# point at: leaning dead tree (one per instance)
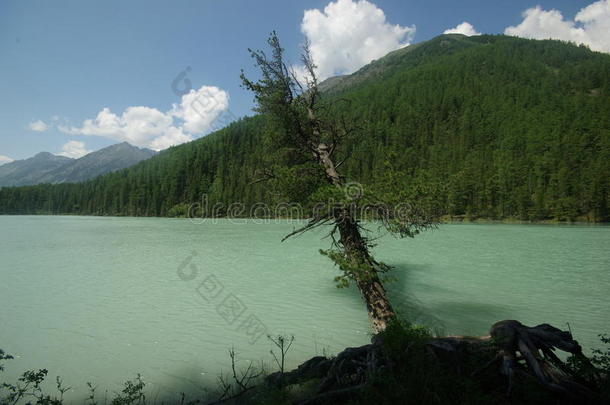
(307, 142)
(308, 133)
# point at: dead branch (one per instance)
(313, 223)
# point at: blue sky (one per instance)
(64, 62)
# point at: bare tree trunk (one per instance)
(378, 306)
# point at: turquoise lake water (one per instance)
(102, 299)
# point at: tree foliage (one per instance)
(502, 127)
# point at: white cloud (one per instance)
(5, 160)
(151, 128)
(38, 126)
(591, 26)
(173, 136)
(199, 109)
(73, 149)
(464, 28)
(349, 34)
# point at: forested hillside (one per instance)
(503, 127)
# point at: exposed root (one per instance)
(536, 346)
(510, 350)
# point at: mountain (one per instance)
(109, 159)
(504, 127)
(48, 168)
(29, 171)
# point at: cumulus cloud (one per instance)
(464, 28)
(5, 159)
(199, 109)
(154, 129)
(74, 149)
(38, 126)
(590, 26)
(348, 34)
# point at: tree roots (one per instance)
(510, 350)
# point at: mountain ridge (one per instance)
(27, 171)
(114, 157)
(45, 167)
(393, 58)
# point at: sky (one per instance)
(77, 76)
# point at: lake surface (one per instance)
(102, 299)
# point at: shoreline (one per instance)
(444, 220)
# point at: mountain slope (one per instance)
(29, 171)
(109, 159)
(48, 168)
(505, 127)
(403, 59)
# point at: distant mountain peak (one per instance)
(49, 155)
(45, 167)
(126, 145)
